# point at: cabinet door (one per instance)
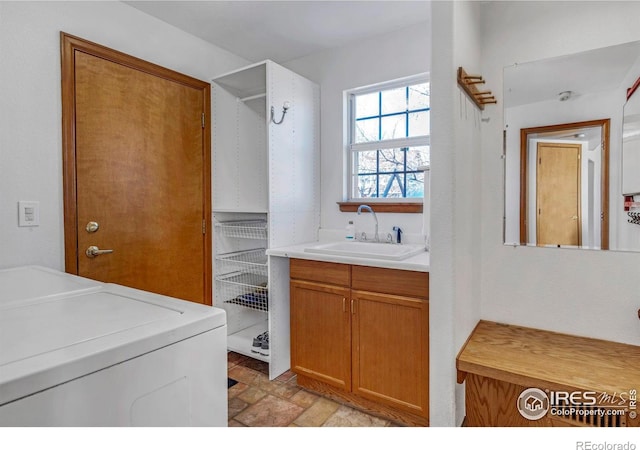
(321, 332)
(391, 350)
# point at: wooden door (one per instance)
(558, 194)
(390, 346)
(321, 332)
(136, 160)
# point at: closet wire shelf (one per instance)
(252, 261)
(246, 229)
(245, 289)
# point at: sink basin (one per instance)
(373, 250)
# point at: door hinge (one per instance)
(204, 227)
(202, 120)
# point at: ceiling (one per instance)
(582, 73)
(595, 71)
(286, 30)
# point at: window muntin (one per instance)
(389, 140)
(391, 173)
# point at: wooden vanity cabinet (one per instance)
(390, 350)
(321, 332)
(361, 334)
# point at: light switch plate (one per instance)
(28, 214)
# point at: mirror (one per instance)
(563, 150)
(564, 185)
(631, 142)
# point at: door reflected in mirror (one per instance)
(563, 150)
(564, 199)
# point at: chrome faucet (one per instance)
(368, 208)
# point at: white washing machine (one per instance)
(75, 352)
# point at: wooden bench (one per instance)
(554, 379)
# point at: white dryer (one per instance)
(75, 352)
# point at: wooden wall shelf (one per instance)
(396, 207)
(469, 84)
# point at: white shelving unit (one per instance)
(241, 279)
(266, 194)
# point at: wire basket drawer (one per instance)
(245, 229)
(251, 261)
(244, 289)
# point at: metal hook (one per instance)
(285, 107)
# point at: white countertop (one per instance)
(418, 263)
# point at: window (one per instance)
(389, 139)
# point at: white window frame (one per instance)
(353, 148)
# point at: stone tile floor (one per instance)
(257, 402)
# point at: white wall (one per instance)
(454, 305)
(383, 58)
(582, 292)
(473, 275)
(30, 111)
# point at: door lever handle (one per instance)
(94, 251)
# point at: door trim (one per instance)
(69, 44)
(604, 125)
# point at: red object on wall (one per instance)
(628, 200)
(633, 88)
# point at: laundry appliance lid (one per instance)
(20, 284)
(56, 339)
